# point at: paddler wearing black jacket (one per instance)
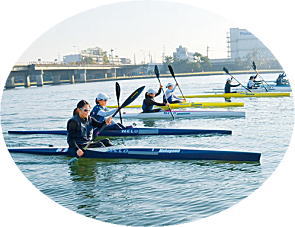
(149, 102)
(80, 130)
(228, 86)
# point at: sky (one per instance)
(135, 30)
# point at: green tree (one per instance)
(105, 58)
(168, 60)
(87, 60)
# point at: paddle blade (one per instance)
(225, 70)
(171, 70)
(72, 161)
(157, 71)
(118, 90)
(130, 99)
(254, 65)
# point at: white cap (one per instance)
(151, 91)
(169, 84)
(228, 79)
(102, 96)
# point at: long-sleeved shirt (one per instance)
(101, 112)
(250, 84)
(228, 86)
(149, 102)
(80, 131)
(168, 96)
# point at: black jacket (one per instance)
(149, 102)
(80, 130)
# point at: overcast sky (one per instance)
(135, 28)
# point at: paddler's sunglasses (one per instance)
(85, 110)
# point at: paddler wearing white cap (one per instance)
(169, 96)
(149, 102)
(228, 86)
(100, 112)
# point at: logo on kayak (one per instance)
(183, 113)
(62, 150)
(169, 151)
(118, 150)
(130, 131)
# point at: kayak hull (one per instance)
(259, 89)
(193, 104)
(184, 114)
(241, 95)
(134, 132)
(148, 153)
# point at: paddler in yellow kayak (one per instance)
(227, 88)
(169, 97)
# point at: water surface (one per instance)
(145, 192)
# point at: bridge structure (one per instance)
(54, 74)
(42, 74)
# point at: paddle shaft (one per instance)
(158, 77)
(255, 69)
(225, 69)
(172, 74)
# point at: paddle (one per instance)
(118, 91)
(255, 68)
(129, 100)
(227, 72)
(172, 74)
(158, 77)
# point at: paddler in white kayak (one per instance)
(80, 130)
(100, 112)
(252, 83)
(149, 102)
(169, 97)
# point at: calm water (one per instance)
(143, 192)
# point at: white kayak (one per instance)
(258, 90)
(183, 114)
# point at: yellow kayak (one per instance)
(194, 104)
(240, 95)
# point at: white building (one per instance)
(92, 51)
(98, 56)
(182, 54)
(71, 58)
(243, 43)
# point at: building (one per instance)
(71, 58)
(125, 61)
(96, 55)
(182, 54)
(243, 44)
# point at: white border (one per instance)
(21, 204)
